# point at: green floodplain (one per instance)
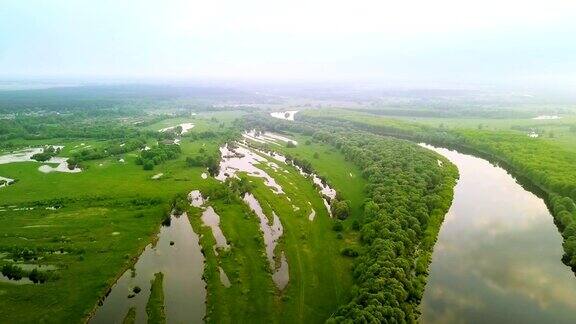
(360, 206)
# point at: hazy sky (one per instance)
(436, 42)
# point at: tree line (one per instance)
(408, 194)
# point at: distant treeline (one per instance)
(448, 112)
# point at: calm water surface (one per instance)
(182, 264)
(498, 255)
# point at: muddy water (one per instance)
(498, 255)
(267, 137)
(20, 156)
(209, 218)
(26, 156)
(61, 167)
(195, 198)
(272, 233)
(281, 276)
(241, 159)
(212, 220)
(182, 265)
(324, 189)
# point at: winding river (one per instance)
(498, 255)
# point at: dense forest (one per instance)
(541, 164)
(407, 198)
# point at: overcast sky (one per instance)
(490, 42)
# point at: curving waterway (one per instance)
(498, 255)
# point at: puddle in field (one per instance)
(195, 198)
(272, 233)
(286, 115)
(209, 218)
(241, 159)
(21, 156)
(4, 182)
(182, 265)
(212, 220)
(26, 267)
(267, 137)
(61, 167)
(282, 275)
(326, 192)
(26, 156)
(325, 189)
(224, 278)
(185, 128)
(22, 281)
(312, 215)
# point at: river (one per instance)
(498, 255)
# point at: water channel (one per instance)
(498, 255)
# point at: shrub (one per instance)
(338, 227)
(349, 252)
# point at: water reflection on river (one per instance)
(498, 255)
(176, 254)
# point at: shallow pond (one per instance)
(272, 232)
(241, 159)
(324, 189)
(182, 264)
(498, 255)
(4, 182)
(26, 156)
(185, 128)
(286, 115)
(267, 137)
(211, 219)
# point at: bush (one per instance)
(148, 165)
(38, 276)
(350, 252)
(338, 227)
(13, 272)
(340, 208)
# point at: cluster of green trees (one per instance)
(157, 155)
(407, 197)
(14, 272)
(47, 153)
(76, 125)
(112, 149)
(340, 208)
(542, 166)
(212, 162)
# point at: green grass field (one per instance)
(112, 210)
